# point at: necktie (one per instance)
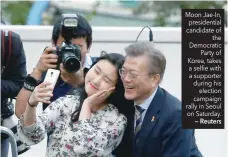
(138, 117)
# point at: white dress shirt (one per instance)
(145, 105)
(88, 61)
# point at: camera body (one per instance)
(70, 56)
(68, 53)
(7, 109)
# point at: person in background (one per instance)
(91, 122)
(83, 38)
(13, 73)
(157, 127)
(67, 81)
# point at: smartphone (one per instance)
(52, 76)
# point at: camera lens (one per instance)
(71, 63)
(70, 56)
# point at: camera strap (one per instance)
(6, 49)
(6, 52)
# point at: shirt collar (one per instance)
(88, 61)
(145, 105)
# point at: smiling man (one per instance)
(157, 124)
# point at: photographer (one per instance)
(82, 37)
(13, 73)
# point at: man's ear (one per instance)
(155, 79)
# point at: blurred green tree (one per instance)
(15, 12)
(167, 13)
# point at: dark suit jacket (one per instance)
(12, 77)
(163, 136)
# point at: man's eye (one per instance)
(133, 76)
(124, 72)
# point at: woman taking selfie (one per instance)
(91, 122)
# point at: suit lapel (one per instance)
(151, 117)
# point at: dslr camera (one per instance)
(68, 53)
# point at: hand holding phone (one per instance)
(52, 76)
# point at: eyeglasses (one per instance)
(132, 74)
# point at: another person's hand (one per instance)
(47, 60)
(42, 93)
(73, 79)
(96, 99)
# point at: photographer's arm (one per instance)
(24, 94)
(46, 61)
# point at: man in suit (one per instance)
(157, 122)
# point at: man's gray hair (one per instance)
(156, 58)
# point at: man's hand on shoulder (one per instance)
(73, 79)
